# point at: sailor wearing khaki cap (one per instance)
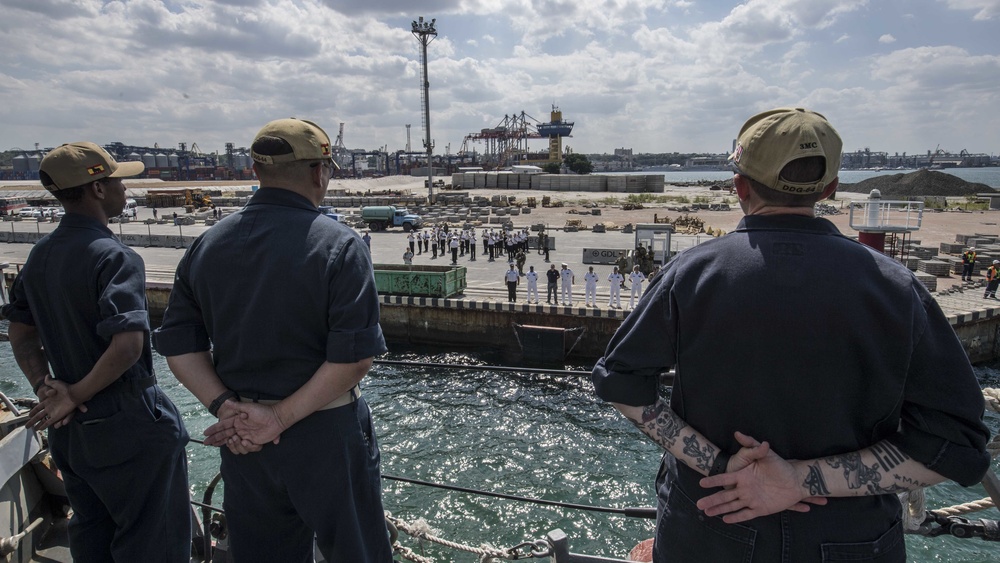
(79, 306)
(296, 378)
(78, 164)
(836, 356)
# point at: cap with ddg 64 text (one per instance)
(308, 141)
(76, 164)
(770, 140)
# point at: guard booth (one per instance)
(655, 237)
(874, 218)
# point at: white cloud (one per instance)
(654, 75)
(887, 39)
(985, 9)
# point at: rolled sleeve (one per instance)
(180, 340)
(124, 322)
(941, 420)
(627, 388)
(122, 302)
(641, 349)
(17, 310)
(351, 347)
(183, 329)
(353, 314)
(966, 465)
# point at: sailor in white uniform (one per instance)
(635, 278)
(615, 281)
(532, 277)
(590, 288)
(566, 275)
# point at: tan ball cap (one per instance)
(308, 141)
(770, 140)
(76, 164)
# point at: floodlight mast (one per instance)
(425, 33)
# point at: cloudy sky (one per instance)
(651, 75)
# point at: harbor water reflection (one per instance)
(533, 435)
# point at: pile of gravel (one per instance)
(919, 183)
(824, 209)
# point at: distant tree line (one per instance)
(576, 163)
(652, 159)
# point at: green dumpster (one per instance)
(419, 281)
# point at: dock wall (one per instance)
(979, 332)
(466, 323)
(469, 323)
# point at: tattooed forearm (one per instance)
(890, 489)
(814, 482)
(702, 456)
(856, 473)
(660, 423)
(888, 455)
(910, 483)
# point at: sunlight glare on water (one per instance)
(532, 435)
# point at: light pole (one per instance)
(425, 33)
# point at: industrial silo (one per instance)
(149, 159)
(20, 164)
(173, 161)
(161, 161)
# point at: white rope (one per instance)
(420, 529)
(959, 509)
(914, 509)
(992, 397)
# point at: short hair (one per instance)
(67, 195)
(269, 145)
(807, 169)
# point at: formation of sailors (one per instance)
(498, 244)
(459, 243)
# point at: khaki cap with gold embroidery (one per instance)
(76, 164)
(770, 140)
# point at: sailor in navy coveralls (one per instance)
(79, 305)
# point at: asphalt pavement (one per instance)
(484, 279)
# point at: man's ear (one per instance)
(830, 189)
(742, 185)
(97, 188)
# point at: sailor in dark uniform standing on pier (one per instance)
(277, 354)
(79, 305)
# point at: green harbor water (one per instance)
(531, 435)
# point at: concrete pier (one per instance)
(481, 317)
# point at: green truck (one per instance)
(379, 217)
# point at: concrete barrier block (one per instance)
(134, 240)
